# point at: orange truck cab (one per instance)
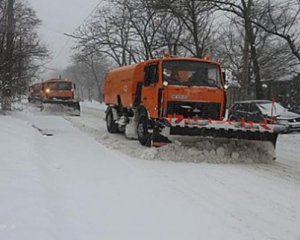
(55, 91)
(59, 89)
(148, 93)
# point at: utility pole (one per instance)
(8, 61)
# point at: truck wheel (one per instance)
(142, 130)
(112, 127)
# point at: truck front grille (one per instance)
(204, 110)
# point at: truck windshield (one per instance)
(64, 86)
(191, 73)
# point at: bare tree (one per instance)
(244, 9)
(133, 30)
(79, 74)
(273, 56)
(170, 34)
(26, 50)
(233, 50)
(196, 17)
(127, 31)
(282, 19)
(96, 69)
(88, 72)
(109, 33)
(145, 22)
(8, 57)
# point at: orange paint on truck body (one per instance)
(55, 91)
(123, 82)
(169, 86)
(61, 89)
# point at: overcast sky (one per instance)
(59, 17)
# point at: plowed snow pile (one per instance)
(213, 151)
(189, 149)
(58, 109)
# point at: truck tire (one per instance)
(143, 134)
(111, 126)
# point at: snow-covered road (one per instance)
(81, 183)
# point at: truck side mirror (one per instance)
(74, 86)
(224, 76)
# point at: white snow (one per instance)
(82, 183)
(93, 104)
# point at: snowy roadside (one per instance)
(68, 186)
(93, 104)
(21, 184)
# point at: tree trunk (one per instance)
(7, 88)
(251, 38)
(245, 74)
(99, 90)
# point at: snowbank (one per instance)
(93, 104)
(23, 204)
(213, 151)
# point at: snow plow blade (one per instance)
(70, 106)
(226, 129)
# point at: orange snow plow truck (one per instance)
(55, 91)
(176, 96)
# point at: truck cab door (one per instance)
(150, 91)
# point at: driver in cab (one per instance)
(175, 75)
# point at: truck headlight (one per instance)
(47, 90)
